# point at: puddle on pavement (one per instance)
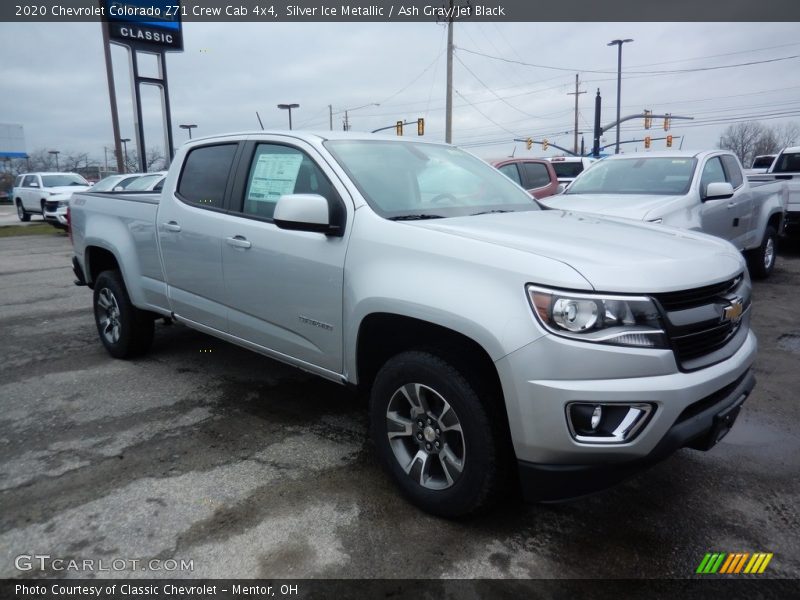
(790, 342)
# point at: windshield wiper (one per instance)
(488, 212)
(418, 217)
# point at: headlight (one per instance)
(601, 319)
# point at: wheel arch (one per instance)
(382, 335)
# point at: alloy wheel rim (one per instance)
(108, 315)
(769, 253)
(425, 436)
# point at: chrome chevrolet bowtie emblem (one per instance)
(733, 311)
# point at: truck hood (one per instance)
(614, 255)
(629, 206)
(67, 190)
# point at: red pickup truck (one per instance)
(534, 174)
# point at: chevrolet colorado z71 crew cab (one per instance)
(499, 343)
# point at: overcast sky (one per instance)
(54, 83)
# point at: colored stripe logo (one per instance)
(734, 563)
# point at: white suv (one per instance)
(43, 193)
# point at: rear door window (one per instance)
(536, 175)
(205, 174)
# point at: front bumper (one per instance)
(56, 216)
(541, 379)
(700, 426)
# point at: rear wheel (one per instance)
(435, 436)
(761, 260)
(124, 330)
(23, 214)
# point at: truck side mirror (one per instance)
(305, 212)
(718, 190)
(33, 184)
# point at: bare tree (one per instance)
(787, 135)
(766, 143)
(741, 139)
(153, 160)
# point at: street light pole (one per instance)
(189, 128)
(618, 44)
(125, 144)
(56, 153)
(289, 107)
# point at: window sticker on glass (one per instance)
(274, 175)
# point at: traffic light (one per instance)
(648, 120)
(399, 128)
(647, 141)
(420, 126)
(545, 144)
(666, 122)
(669, 141)
(528, 143)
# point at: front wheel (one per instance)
(124, 330)
(435, 436)
(761, 260)
(23, 214)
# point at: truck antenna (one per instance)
(259, 121)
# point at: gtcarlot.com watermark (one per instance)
(48, 563)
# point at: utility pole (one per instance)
(598, 131)
(576, 93)
(448, 125)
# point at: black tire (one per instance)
(23, 214)
(480, 445)
(124, 330)
(761, 260)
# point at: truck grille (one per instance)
(51, 205)
(697, 296)
(696, 323)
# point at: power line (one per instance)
(628, 71)
(503, 100)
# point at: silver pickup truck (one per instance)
(701, 191)
(499, 344)
(786, 168)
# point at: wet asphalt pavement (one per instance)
(206, 452)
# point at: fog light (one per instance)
(596, 416)
(607, 423)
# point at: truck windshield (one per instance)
(639, 175)
(62, 180)
(402, 180)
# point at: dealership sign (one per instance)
(145, 24)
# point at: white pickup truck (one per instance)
(701, 191)
(786, 167)
(497, 342)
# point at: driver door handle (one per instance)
(172, 226)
